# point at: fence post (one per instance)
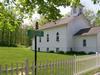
(75, 65)
(46, 68)
(12, 69)
(40, 67)
(26, 67)
(97, 59)
(22, 72)
(33, 68)
(51, 68)
(6, 67)
(0, 70)
(16, 68)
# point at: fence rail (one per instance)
(74, 66)
(86, 64)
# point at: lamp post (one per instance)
(35, 33)
(36, 27)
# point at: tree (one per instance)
(96, 1)
(8, 19)
(90, 15)
(42, 20)
(97, 19)
(47, 8)
(8, 24)
(93, 18)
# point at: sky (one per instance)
(87, 3)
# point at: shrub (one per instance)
(12, 45)
(71, 52)
(82, 53)
(76, 53)
(90, 53)
(60, 52)
(22, 46)
(51, 51)
(6, 44)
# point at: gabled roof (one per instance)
(88, 31)
(63, 21)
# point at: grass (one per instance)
(92, 72)
(10, 55)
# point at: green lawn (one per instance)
(92, 72)
(10, 55)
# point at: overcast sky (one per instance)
(87, 3)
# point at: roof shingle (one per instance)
(59, 22)
(88, 31)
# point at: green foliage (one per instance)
(43, 20)
(15, 38)
(60, 52)
(51, 51)
(97, 19)
(90, 53)
(47, 8)
(93, 18)
(96, 1)
(90, 15)
(7, 19)
(76, 53)
(9, 23)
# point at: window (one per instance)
(57, 37)
(39, 49)
(47, 49)
(39, 39)
(74, 10)
(71, 49)
(47, 37)
(84, 43)
(57, 49)
(80, 11)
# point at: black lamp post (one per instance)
(36, 27)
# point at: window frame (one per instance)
(39, 49)
(57, 49)
(57, 37)
(47, 37)
(47, 49)
(74, 10)
(84, 42)
(40, 39)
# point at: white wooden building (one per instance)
(70, 33)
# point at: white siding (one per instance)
(66, 33)
(91, 42)
(98, 42)
(74, 26)
(53, 44)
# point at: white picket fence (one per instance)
(75, 66)
(87, 63)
